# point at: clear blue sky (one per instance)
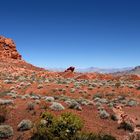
(82, 33)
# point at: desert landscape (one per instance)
(108, 105)
(70, 70)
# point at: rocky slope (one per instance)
(12, 63)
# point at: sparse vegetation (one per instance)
(65, 127)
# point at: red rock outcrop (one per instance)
(8, 49)
(70, 69)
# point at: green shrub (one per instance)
(66, 126)
(48, 117)
(63, 127)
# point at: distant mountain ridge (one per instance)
(94, 69)
(104, 70)
(135, 70)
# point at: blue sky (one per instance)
(81, 33)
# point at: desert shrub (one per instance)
(97, 95)
(114, 117)
(67, 125)
(126, 126)
(90, 88)
(118, 84)
(48, 117)
(3, 113)
(40, 86)
(54, 90)
(63, 127)
(4, 93)
(30, 106)
(138, 88)
(104, 114)
(72, 90)
(42, 130)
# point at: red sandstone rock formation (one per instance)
(8, 49)
(70, 69)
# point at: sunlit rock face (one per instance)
(8, 49)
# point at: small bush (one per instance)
(30, 106)
(114, 117)
(118, 84)
(126, 126)
(3, 113)
(4, 93)
(67, 125)
(97, 95)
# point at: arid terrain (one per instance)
(103, 101)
